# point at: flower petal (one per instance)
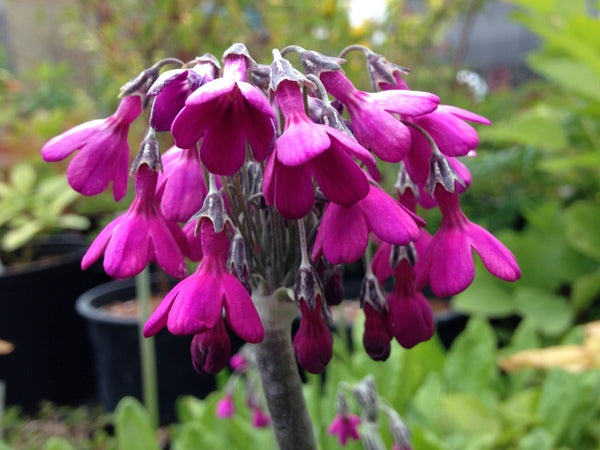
(403, 101)
(300, 142)
(240, 313)
(452, 269)
(61, 146)
(495, 256)
(343, 234)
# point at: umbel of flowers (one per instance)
(271, 185)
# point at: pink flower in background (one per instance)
(103, 155)
(447, 264)
(225, 113)
(344, 230)
(197, 303)
(139, 236)
(226, 407)
(260, 419)
(345, 426)
(372, 114)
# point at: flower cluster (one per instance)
(273, 182)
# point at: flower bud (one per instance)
(211, 349)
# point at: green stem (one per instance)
(147, 350)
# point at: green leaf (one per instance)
(471, 362)
(73, 222)
(133, 428)
(487, 296)
(583, 230)
(22, 177)
(548, 313)
(57, 443)
(585, 290)
(537, 439)
(17, 237)
(469, 415)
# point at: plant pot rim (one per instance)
(85, 303)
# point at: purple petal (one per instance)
(241, 315)
(292, 190)
(256, 99)
(495, 256)
(127, 251)
(343, 233)
(94, 252)
(301, 142)
(223, 148)
(388, 219)
(198, 306)
(259, 129)
(158, 319)
(213, 90)
(61, 146)
(402, 101)
(453, 136)
(189, 125)
(167, 253)
(339, 177)
(452, 269)
(464, 114)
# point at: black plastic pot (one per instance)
(115, 343)
(51, 359)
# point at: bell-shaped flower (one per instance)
(173, 87)
(447, 264)
(139, 236)
(411, 315)
(210, 349)
(225, 113)
(345, 426)
(313, 342)
(373, 114)
(307, 150)
(181, 187)
(197, 303)
(103, 155)
(377, 333)
(344, 231)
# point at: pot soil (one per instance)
(112, 322)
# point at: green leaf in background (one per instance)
(23, 178)
(585, 290)
(537, 439)
(583, 227)
(57, 443)
(132, 426)
(17, 237)
(548, 313)
(471, 362)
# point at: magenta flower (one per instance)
(238, 363)
(411, 315)
(378, 333)
(197, 303)
(193, 245)
(225, 113)
(181, 188)
(260, 419)
(139, 236)
(173, 87)
(372, 114)
(313, 343)
(307, 150)
(103, 151)
(344, 230)
(225, 407)
(345, 426)
(210, 349)
(447, 264)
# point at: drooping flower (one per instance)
(377, 333)
(447, 264)
(210, 349)
(225, 407)
(344, 230)
(103, 155)
(260, 418)
(225, 113)
(173, 87)
(181, 187)
(197, 303)
(372, 114)
(345, 426)
(313, 342)
(238, 363)
(307, 150)
(139, 236)
(410, 312)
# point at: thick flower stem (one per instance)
(280, 378)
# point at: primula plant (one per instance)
(271, 186)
